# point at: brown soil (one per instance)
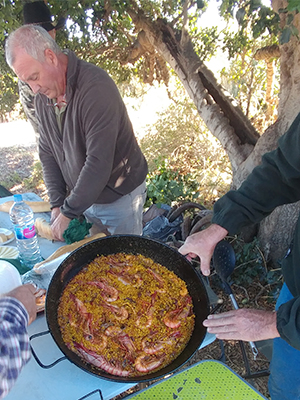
(16, 163)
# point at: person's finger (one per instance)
(225, 314)
(185, 250)
(205, 266)
(190, 256)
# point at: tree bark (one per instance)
(224, 118)
(217, 108)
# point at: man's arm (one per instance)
(17, 310)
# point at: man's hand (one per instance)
(59, 225)
(25, 294)
(202, 244)
(243, 324)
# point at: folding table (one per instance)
(209, 379)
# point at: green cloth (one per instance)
(16, 263)
(77, 230)
(4, 192)
(276, 181)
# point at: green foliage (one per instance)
(36, 178)
(104, 32)
(250, 263)
(235, 44)
(252, 266)
(8, 89)
(29, 184)
(290, 29)
(293, 5)
(200, 4)
(165, 186)
(180, 138)
(11, 180)
(262, 20)
(258, 26)
(239, 79)
(206, 42)
(253, 15)
(9, 95)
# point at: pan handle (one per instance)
(214, 301)
(36, 335)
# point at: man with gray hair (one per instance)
(92, 163)
(36, 13)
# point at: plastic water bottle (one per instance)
(22, 219)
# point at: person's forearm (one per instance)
(15, 349)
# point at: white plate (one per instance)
(7, 232)
(9, 277)
(9, 252)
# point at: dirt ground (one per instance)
(16, 163)
(19, 160)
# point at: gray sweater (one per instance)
(273, 183)
(96, 158)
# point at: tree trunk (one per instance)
(224, 118)
(217, 108)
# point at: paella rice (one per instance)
(126, 315)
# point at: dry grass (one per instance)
(20, 170)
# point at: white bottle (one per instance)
(22, 219)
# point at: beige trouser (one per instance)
(123, 216)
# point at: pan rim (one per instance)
(87, 367)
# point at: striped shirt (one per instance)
(15, 349)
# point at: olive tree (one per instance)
(155, 38)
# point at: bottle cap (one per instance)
(18, 197)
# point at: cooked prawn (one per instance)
(147, 363)
(99, 361)
(174, 318)
(120, 313)
(110, 293)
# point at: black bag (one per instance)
(160, 228)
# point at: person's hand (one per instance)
(243, 324)
(202, 244)
(54, 214)
(58, 227)
(26, 295)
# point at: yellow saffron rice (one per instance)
(131, 315)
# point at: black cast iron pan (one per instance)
(132, 244)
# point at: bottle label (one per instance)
(25, 233)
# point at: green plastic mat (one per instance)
(210, 380)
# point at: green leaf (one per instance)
(240, 14)
(290, 19)
(294, 30)
(285, 35)
(293, 5)
(200, 4)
